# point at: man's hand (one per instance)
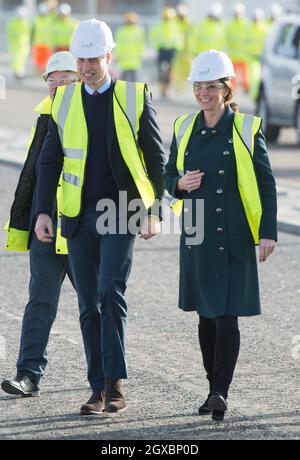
(266, 247)
(190, 181)
(44, 228)
(150, 227)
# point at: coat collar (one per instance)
(223, 125)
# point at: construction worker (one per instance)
(48, 263)
(219, 157)
(18, 39)
(130, 46)
(63, 26)
(182, 60)
(41, 38)
(104, 137)
(276, 12)
(256, 40)
(166, 38)
(209, 32)
(237, 35)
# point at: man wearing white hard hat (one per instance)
(210, 31)
(48, 263)
(104, 137)
(18, 40)
(63, 27)
(258, 29)
(41, 37)
(219, 158)
(237, 36)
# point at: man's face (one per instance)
(93, 71)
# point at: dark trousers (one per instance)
(219, 340)
(101, 265)
(48, 271)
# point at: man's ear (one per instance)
(108, 57)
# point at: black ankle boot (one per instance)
(217, 402)
(204, 409)
(218, 415)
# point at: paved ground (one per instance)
(166, 381)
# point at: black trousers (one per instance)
(219, 340)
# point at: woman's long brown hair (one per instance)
(229, 97)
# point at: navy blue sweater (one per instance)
(100, 183)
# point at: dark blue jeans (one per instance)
(101, 265)
(48, 271)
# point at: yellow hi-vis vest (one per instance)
(245, 128)
(17, 240)
(68, 113)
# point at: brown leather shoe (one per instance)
(95, 404)
(114, 396)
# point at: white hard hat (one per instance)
(22, 12)
(211, 65)
(182, 9)
(64, 9)
(276, 10)
(216, 10)
(92, 38)
(259, 14)
(239, 8)
(63, 60)
(42, 9)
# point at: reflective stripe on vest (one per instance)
(68, 113)
(128, 104)
(245, 127)
(183, 129)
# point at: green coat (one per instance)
(219, 276)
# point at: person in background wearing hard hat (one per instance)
(256, 40)
(167, 38)
(48, 263)
(209, 32)
(41, 38)
(182, 61)
(276, 12)
(130, 46)
(63, 27)
(237, 36)
(219, 158)
(104, 137)
(18, 39)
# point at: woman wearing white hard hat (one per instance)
(48, 263)
(219, 159)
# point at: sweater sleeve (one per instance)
(267, 188)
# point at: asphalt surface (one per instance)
(166, 381)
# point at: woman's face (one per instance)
(210, 94)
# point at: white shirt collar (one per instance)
(100, 90)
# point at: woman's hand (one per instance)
(190, 181)
(266, 247)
